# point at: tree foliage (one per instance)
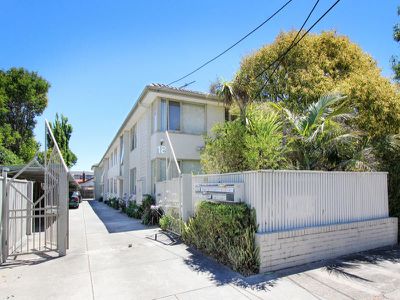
(62, 132)
(318, 65)
(320, 139)
(395, 59)
(253, 145)
(313, 134)
(23, 97)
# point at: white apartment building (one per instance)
(137, 157)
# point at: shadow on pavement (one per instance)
(222, 275)
(28, 259)
(343, 266)
(114, 220)
(340, 267)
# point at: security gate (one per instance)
(32, 225)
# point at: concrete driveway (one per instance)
(114, 257)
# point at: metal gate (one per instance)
(32, 225)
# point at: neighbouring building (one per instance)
(82, 176)
(140, 153)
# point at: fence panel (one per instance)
(286, 200)
(168, 196)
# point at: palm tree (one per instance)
(316, 133)
(232, 92)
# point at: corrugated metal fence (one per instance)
(286, 200)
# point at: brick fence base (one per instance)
(279, 250)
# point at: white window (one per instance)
(154, 108)
(133, 137)
(193, 118)
(132, 179)
(174, 116)
(163, 115)
(121, 151)
(190, 166)
(169, 116)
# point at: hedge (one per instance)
(227, 233)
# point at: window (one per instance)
(163, 115)
(190, 166)
(193, 118)
(133, 137)
(115, 186)
(174, 116)
(132, 179)
(121, 151)
(154, 108)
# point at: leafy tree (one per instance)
(233, 94)
(236, 146)
(319, 138)
(318, 65)
(62, 132)
(395, 60)
(325, 63)
(23, 97)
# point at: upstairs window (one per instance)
(169, 115)
(174, 116)
(121, 151)
(133, 138)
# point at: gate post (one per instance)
(62, 221)
(4, 219)
(29, 208)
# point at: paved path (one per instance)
(113, 257)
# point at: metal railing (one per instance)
(36, 222)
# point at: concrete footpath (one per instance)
(114, 257)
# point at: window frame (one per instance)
(169, 116)
(133, 137)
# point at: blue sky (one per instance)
(99, 55)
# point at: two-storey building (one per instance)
(137, 157)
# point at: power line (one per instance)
(296, 43)
(233, 45)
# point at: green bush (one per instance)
(147, 201)
(122, 205)
(152, 215)
(113, 202)
(133, 210)
(165, 222)
(225, 232)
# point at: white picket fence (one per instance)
(286, 200)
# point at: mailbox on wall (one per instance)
(225, 192)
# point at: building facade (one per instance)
(140, 153)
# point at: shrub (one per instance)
(133, 210)
(225, 232)
(165, 222)
(113, 202)
(122, 205)
(256, 145)
(147, 201)
(152, 215)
